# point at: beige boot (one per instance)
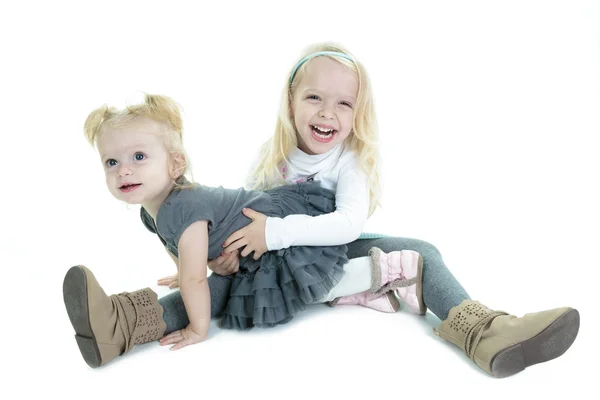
(502, 344)
(109, 326)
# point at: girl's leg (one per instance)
(356, 280)
(175, 315)
(499, 343)
(109, 326)
(441, 290)
(355, 288)
(367, 279)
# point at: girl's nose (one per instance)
(326, 112)
(124, 170)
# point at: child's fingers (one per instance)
(221, 259)
(176, 334)
(234, 237)
(217, 262)
(236, 245)
(234, 262)
(250, 213)
(232, 265)
(166, 280)
(171, 338)
(232, 255)
(232, 258)
(247, 250)
(181, 344)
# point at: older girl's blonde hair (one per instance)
(363, 139)
(158, 108)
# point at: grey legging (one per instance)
(441, 291)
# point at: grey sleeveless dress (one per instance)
(268, 291)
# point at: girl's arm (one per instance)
(342, 226)
(193, 255)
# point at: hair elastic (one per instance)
(319, 53)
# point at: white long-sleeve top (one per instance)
(339, 171)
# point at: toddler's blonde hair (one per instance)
(159, 108)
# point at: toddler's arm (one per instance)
(193, 255)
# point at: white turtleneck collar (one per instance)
(306, 163)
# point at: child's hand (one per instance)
(225, 264)
(251, 236)
(181, 338)
(171, 281)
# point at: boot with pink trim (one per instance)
(398, 273)
(387, 303)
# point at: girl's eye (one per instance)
(139, 156)
(345, 103)
(313, 97)
(111, 162)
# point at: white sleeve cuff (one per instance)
(274, 233)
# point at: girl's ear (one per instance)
(178, 164)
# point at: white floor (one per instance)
(343, 352)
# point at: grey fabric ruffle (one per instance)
(269, 291)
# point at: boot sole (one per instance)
(551, 343)
(75, 296)
(422, 307)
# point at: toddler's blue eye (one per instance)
(111, 163)
(139, 156)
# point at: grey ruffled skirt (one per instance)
(268, 292)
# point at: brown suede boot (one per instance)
(502, 344)
(109, 326)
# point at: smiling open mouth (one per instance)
(129, 187)
(322, 134)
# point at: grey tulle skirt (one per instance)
(268, 292)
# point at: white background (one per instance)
(489, 118)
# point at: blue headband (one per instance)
(319, 53)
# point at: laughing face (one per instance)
(322, 105)
(136, 162)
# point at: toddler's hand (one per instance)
(170, 281)
(251, 236)
(181, 338)
(225, 264)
